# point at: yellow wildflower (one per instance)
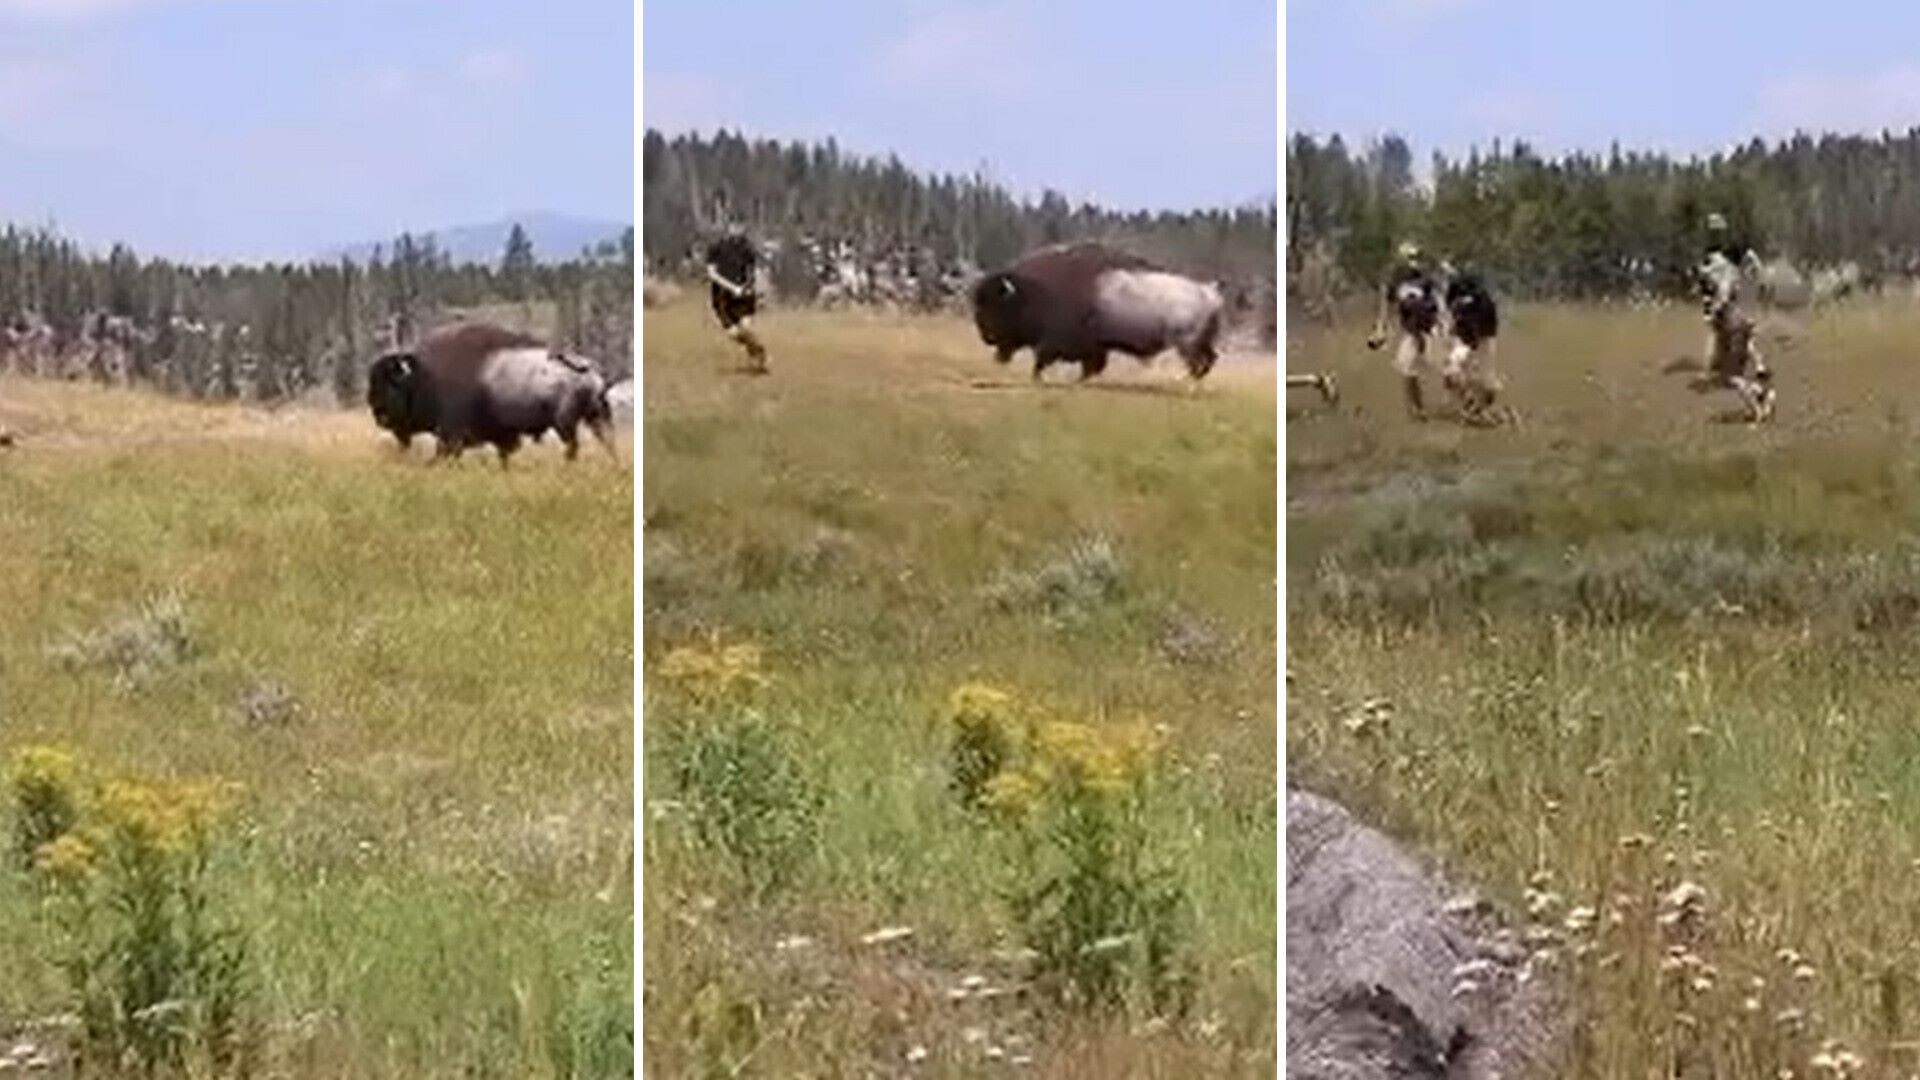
(1110, 762)
(43, 769)
(68, 857)
(1014, 793)
(978, 703)
(166, 817)
(714, 671)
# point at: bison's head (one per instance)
(999, 301)
(399, 396)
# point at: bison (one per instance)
(479, 383)
(1074, 303)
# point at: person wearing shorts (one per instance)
(1733, 358)
(1722, 244)
(1411, 300)
(731, 262)
(1475, 322)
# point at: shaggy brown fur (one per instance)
(438, 386)
(1047, 301)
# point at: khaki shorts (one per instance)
(1472, 364)
(1410, 355)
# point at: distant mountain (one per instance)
(556, 238)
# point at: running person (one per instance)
(1721, 242)
(1475, 323)
(1733, 360)
(1411, 297)
(730, 270)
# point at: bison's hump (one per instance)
(477, 338)
(1086, 257)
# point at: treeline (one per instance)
(277, 331)
(813, 204)
(1587, 225)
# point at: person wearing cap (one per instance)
(731, 262)
(1474, 322)
(1733, 360)
(1412, 299)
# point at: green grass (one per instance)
(1624, 648)
(885, 530)
(433, 857)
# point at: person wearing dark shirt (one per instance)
(1412, 301)
(1475, 322)
(1720, 240)
(731, 262)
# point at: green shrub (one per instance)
(1104, 917)
(737, 772)
(158, 978)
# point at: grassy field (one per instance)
(887, 517)
(419, 680)
(1644, 678)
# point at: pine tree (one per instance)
(517, 264)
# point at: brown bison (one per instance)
(478, 383)
(1074, 303)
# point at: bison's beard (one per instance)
(393, 410)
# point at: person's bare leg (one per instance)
(742, 332)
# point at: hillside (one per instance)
(556, 238)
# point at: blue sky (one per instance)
(246, 128)
(1131, 103)
(1693, 76)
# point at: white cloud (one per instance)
(1504, 113)
(970, 49)
(1817, 102)
(64, 10)
(1416, 11)
(681, 101)
(388, 83)
(492, 67)
(54, 99)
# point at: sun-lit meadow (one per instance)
(413, 684)
(901, 605)
(1644, 679)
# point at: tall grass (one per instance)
(884, 530)
(419, 678)
(1639, 676)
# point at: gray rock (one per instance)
(1371, 959)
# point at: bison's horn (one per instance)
(1006, 285)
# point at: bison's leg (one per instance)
(569, 433)
(505, 445)
(602, 429)
(1199, 351)
(1201, 360)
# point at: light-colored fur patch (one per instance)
(522, 382)
(1153, 303)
